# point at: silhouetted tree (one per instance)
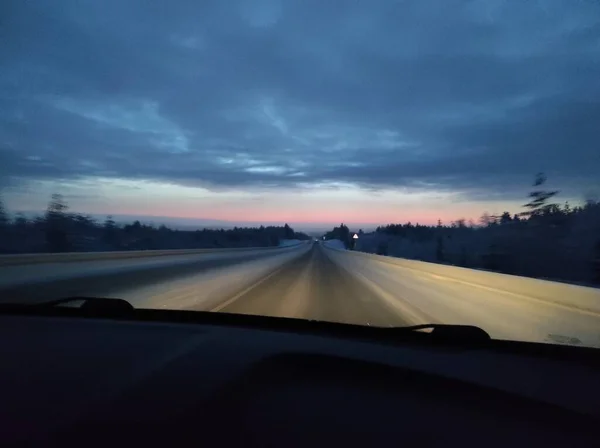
(464, 258)
(382, 248)
(485, 219)
(57, 225)
(20, 221)
(505, 218)
(439, 251)
(537, 204)
(288, 233)
(109, 232)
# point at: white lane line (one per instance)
(245, 291)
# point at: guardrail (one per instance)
(583, 298)
(71, 257)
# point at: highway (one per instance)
(314, 287)
(313, 281)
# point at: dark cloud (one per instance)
(461, 95)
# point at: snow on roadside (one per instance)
(285, 243)
(335, 244)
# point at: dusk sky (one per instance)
(307, 112)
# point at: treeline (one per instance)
(343, 234)
(546, 240)
(59, 230)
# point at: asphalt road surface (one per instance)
(116, 278)
(314, 282)
(312, 286)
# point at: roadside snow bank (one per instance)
(335, 244)
(285, 243)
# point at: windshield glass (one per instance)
(382, 163)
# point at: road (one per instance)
(38, 282)
(314, 287)
(315, 282)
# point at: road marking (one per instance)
(439, 277)
(406, 311)
(545, 301)
(247, 290)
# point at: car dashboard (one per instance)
(98, 382)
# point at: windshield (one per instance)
(381, 163)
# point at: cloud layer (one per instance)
(465, 96)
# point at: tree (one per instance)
(57, 208)
(460, 223)
(109, 231)
(538, 198)
(505, 218)
(439, 251)
(382, 248)
(288, 232)
(20, 221)
(464, 258)
(56, 224)
(485, 220)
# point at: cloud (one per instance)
(464, 96)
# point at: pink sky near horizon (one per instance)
(309, 207)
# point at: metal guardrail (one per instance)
(72, 257)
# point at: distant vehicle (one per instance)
(104, 373)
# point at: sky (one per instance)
(307, 112)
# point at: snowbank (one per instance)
(285, 243)
(335, 244)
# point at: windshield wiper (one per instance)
(119, 308)
(85, 306)
(93, 305)
(467, 333)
